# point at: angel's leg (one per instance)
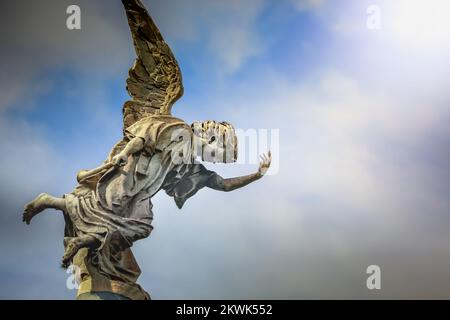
(40, 203)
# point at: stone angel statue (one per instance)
(111, 207)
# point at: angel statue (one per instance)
(111, 207)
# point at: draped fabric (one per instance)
(185, 180)
(115, 205)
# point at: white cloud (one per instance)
(42, 44)
(351, 192)
(229, 28)
(27, 157)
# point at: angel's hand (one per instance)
(119, 160)
(264, 165)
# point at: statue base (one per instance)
(101, 296)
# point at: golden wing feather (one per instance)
(155, 81)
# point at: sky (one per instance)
(357, 90)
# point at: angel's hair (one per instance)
(223, 131)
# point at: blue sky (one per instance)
(363, 155)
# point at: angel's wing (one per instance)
(154, 81)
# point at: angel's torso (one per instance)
(168, 144)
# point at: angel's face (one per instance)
(217, 141)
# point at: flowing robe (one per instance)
(115, 205)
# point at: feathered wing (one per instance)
(154, 81)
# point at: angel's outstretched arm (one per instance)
(216, 182)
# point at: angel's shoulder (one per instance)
(160, 121)
(176, 132)
(163, 130)
(174, 125)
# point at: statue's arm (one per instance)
(216, 182)
(134, 145)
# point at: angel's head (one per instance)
(215, 141)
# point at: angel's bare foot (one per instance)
(73, 245)
(39, 204)
(72, 248)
